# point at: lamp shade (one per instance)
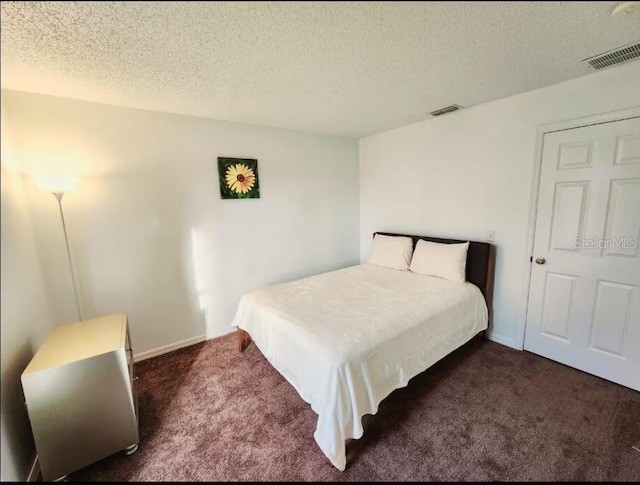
(55, 183)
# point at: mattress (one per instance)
(346, 339)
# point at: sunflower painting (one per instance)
(238, 178)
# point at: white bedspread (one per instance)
(347, 338)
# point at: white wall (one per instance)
(25, 314)
(149, 233)
(467, 172)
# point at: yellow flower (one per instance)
(240, 178)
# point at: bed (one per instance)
(346, 339)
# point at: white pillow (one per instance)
(391, 251)
(448, 261)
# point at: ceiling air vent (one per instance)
(448, 109)
(616, 56)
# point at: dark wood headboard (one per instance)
(480, 262)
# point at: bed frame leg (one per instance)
(244, 339)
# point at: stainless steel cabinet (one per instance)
(81, 396)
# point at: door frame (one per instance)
(541, 131)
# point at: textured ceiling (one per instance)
(344, 68)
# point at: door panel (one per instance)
(575, 155)
(556, 310)
(584, 300)
(611, 317)
(627, 149)
(569, 214)
(622, 217)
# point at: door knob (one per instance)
(540, 260)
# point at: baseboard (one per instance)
(509, 342)
(169, 348)
(34, 473)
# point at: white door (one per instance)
(584, 299)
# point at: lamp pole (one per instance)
(58, 196)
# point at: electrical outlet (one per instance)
(491, 235)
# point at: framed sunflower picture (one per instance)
(238, 178)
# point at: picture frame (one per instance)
(238, 178)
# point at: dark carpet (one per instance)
(484, 413)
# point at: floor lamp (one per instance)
(58, 186)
